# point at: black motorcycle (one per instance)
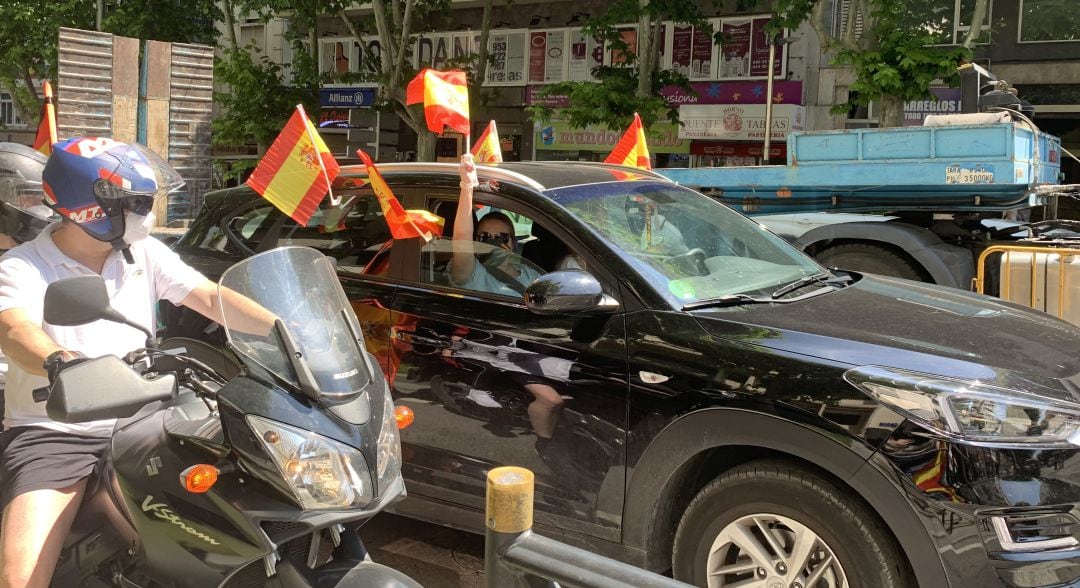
(258, 477)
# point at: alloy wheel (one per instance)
(772, 551)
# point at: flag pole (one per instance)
(307, 127)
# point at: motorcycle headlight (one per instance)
(972, 412)
(389, 446)
(323, 473)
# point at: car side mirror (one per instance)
(568, 292)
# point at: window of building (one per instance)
(1049, 20)
(252, 34)
(947, 21)
(9, 116)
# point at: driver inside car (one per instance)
(503, 271)
(104, 191)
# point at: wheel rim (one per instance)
(772, 551)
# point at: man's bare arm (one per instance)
(24, 342)
(245, 314)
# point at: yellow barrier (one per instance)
(1005, 287)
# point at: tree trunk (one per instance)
(425, 145)
(482, 63)
(644, 51)
(890, 112)
(230, 24)
(978, 15)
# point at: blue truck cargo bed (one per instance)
(988, 167)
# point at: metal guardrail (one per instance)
(513, 552)
(1065, 256)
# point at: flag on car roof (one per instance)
(46, 133)
(632, 149)
(445, 95)
(296, 172)
(487, 149)
(404, 224)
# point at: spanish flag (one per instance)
(404, 224)
(46, 133)
(631, 149)
(297, 170)
(487, 149)
(445, 95)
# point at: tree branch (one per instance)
(406, 30)
(485, 34)
(386, 41)
(349, 24)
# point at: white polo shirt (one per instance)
(134, 290)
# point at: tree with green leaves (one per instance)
(28, 43)
(896, 49)
(633, 86)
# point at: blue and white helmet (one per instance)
(93, 182)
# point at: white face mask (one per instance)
(137, 227)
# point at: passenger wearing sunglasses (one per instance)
(502, 271)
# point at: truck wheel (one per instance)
(870, 259)
(771, 523)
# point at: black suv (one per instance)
(692, 392)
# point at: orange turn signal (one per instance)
(199, 478)
(404, 416)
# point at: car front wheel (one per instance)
(770, 524)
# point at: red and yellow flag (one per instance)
(445, 95)
(487, 149)
(404, 224)
(297, 170)
(46, 133)
(631, 149)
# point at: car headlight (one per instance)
(323, 473)
(388, 447)
(972, 412)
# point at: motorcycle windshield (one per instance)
(284, 310)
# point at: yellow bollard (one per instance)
(510, 499)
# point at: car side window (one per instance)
(352, 232)
(505, 261)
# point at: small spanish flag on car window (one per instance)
(404, 224)
(46, 133)
(296, 172)
(445, 95)
(487, 149)
(632, 149)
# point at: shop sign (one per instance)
(533, 98)
(738, 122)
(547, 56)
(507, 51)
(560, 136)
(784, 92)
(347, 97)
(586, 54)
(777, 151)
(948, 102)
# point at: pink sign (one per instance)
(735, 49)
(759, 56)
(682, 40)
(784, 92)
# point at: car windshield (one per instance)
(692, 247)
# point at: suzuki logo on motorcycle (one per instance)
(348, 374)
(163, 512)
(153, 466)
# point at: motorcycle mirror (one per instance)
(79, 300)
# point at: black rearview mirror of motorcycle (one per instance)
(79, 300)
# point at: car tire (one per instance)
(870, 259)
(781, 496)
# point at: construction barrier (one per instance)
(1047, 285)
(513, 552)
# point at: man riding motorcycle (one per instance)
(104, 191)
